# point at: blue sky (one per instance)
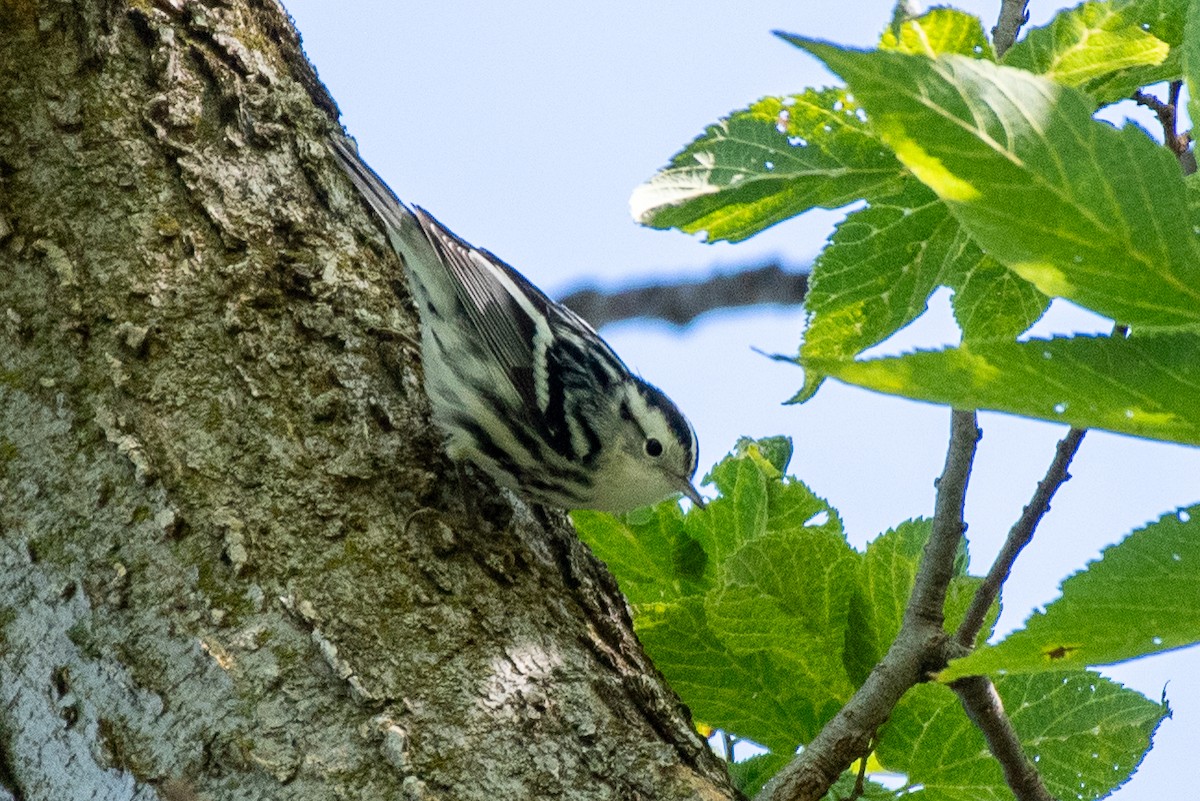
(524, 127)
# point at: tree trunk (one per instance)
(234, 562)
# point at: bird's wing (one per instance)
(510, 315)
(452, 278)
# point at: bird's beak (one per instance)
(691, 493)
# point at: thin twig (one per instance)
(915, 651)
(1168, 118)
(1012, 16)
(1173, 93)
(1018, 537)
(1166, 112)
(977, 693)
(982, 704)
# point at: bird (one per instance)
(521, 386)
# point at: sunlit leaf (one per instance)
(764, 164)
(1107, 49)
(742, 605)
(1080, 209)
(937, 31)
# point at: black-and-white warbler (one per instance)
(522, 386)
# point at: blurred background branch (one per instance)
(681, 302)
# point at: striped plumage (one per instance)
(522, 386)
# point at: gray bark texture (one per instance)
(234, 563)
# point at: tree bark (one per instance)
(234, 562)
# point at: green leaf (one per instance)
(1087, 734)
(743, 605)
(784, 600)
(959, 596)
(776, 450)
(1141, 597)
(916, 741)
(1059, 717)
(882, 264)
(655, 557)
(1162, 18)
(1081, 210)
(844, 787)
(1103, 48)
(938, 31)
(990, 302)
(875, 275)
(746, 696)
(764, 164)
(1147, 386)
(739, 515)
(1192, 186)
(885, 581)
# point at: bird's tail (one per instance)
(398, 220)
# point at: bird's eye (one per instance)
(653, 448)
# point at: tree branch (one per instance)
(681, 302)
(982, 704)
(1012, 16)
(915, 651)
(977, 693)
(937, 564)
(1018, 537)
